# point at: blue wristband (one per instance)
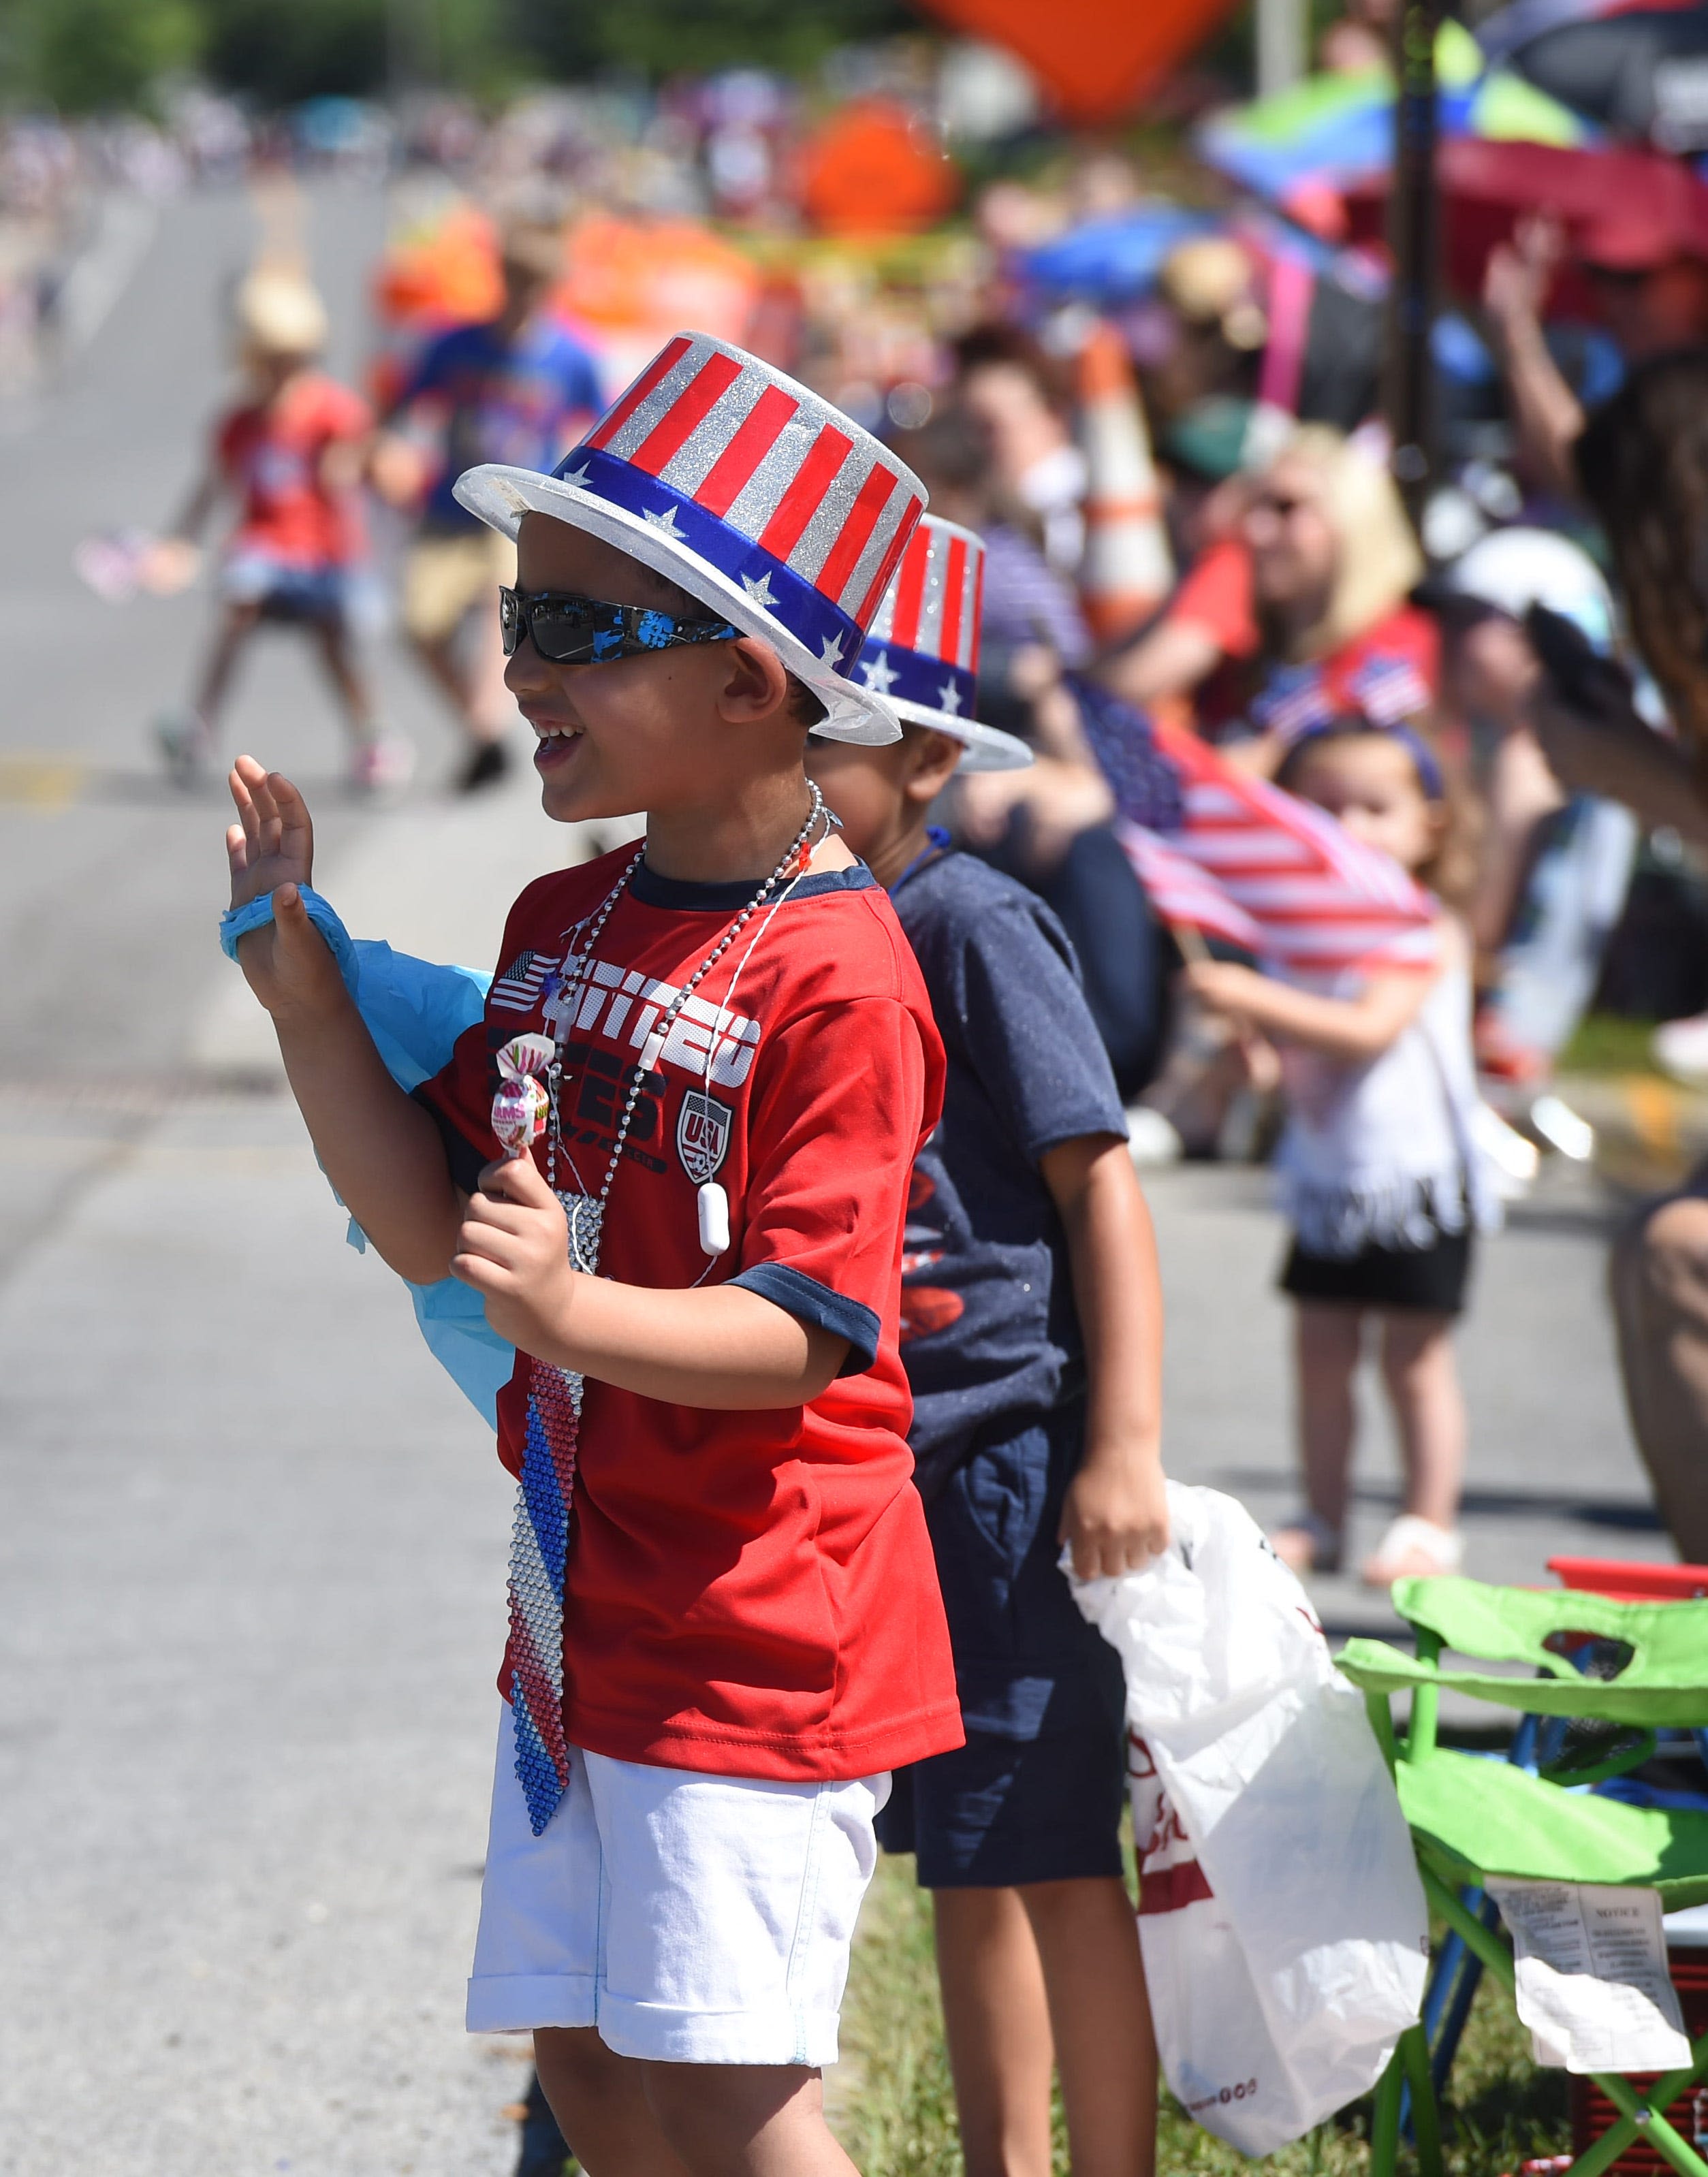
(237, 922)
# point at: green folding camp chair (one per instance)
(1625, 1669)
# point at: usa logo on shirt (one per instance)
(702, 1135)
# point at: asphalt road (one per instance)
(251, 1558)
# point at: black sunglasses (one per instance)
(573, 630)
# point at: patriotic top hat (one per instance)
(922, 653)
(754, 495)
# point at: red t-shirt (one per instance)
(1406, 643)
(1215, 594)
(271, 456)
(750, 1593)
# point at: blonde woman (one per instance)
(1300, 607)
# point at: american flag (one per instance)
(1244, 861)
(1186, 897)
(518, 989)
(1388, 691)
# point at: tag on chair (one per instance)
(1592, 1982)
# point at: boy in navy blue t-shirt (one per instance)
(1031, 1337)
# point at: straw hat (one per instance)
(280, 313)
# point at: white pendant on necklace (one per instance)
(714, 1219)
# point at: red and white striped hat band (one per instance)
(750, 492)
(921, 652)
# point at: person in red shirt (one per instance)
(291, 454)
(712, 1062)
(1302, 599)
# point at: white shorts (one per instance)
(691, 1920)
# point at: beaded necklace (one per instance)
(585, 1212)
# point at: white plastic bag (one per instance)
(1282, 1919)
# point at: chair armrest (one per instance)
(1375, 1667)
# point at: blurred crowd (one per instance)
(1154, 387)
(1164, 418)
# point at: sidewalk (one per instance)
(1552, 1469)
(254, 1557)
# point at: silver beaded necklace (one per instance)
(585, 1212)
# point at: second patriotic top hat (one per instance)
(754, 494)
(921, 654)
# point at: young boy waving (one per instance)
(1032, 1331)
(724, 1624)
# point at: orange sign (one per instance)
(655, 276)
(1095, 58)
(874, 169)
(448, 275)
(633, 282)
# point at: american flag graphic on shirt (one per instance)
(518, 989)
(1387, 690)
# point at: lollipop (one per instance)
(520, 1107)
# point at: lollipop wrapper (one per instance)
(526, 1054)
(519, 1115)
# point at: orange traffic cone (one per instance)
(1127, 568)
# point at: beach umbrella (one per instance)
(1115, 259)
(1640, 72)
(1338, 129)
(1486, 188)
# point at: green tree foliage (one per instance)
(86, 56)
(94, 56)
(281, 53)
(656, 38)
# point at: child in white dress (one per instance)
(1379, 1174)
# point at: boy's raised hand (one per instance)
(271, 848)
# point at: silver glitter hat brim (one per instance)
(501, 496)
(988, 748)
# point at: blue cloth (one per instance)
(992, 1339)
(519, 402)
(415, 1011)
(1117, 258)
(1036, 1794)
(256, 913)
